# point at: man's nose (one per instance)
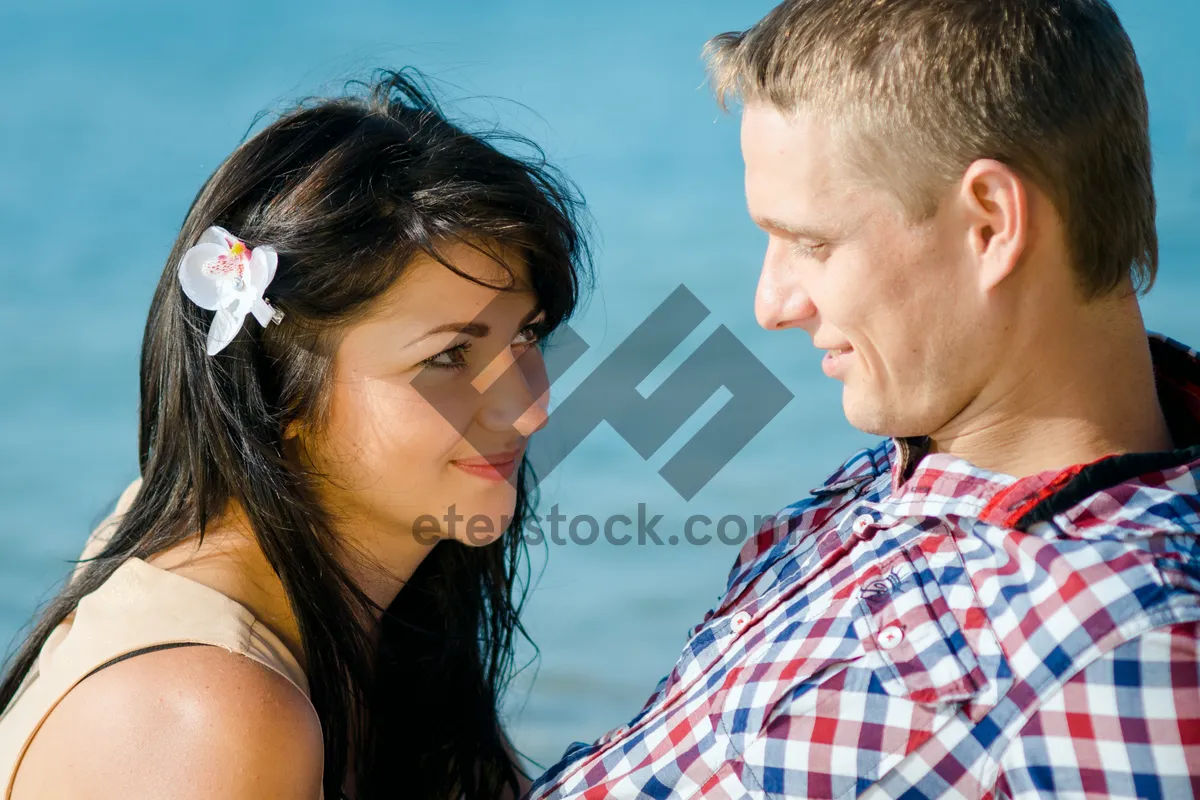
(781, 300)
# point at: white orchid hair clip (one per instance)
(221, 274)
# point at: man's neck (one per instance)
(1082, 392)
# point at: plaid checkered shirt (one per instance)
(919, 627)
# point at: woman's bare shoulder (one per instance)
(187, 722)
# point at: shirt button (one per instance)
(862, 522)
(890, 637)
(740, 620)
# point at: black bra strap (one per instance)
(140, 651)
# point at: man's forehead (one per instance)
(767, 129)
(798, 170)
(790, 166)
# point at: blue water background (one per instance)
(112, 114)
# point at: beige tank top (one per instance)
(140, 608)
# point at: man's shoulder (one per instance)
(1131, 498)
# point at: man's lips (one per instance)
(836, 361)
(834, 350)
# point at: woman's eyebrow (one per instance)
(476, 329)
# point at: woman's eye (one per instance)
(451, 358)
(456, 357)
(528, 336)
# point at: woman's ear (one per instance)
(293, 430)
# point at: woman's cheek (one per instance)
(409, 444)
(448, 405)
(369, 429)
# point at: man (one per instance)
(1002, 599)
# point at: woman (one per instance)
(313, 592)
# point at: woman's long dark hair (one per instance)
(348, 190)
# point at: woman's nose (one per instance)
(535, 416)
(517, 394)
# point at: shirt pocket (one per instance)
(908, 673)
(910, 635)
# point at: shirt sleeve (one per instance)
(1127, 726)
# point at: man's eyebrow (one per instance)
(800, 231)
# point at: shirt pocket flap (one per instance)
(911, 636)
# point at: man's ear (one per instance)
(997, 210)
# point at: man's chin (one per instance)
(877, 418)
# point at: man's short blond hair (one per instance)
(923, 88)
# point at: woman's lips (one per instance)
(494, 467)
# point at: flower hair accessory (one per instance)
(221, 274)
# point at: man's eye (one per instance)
(451, 358)
(806, 250)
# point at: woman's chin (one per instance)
(482, 529)
(480, 522)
